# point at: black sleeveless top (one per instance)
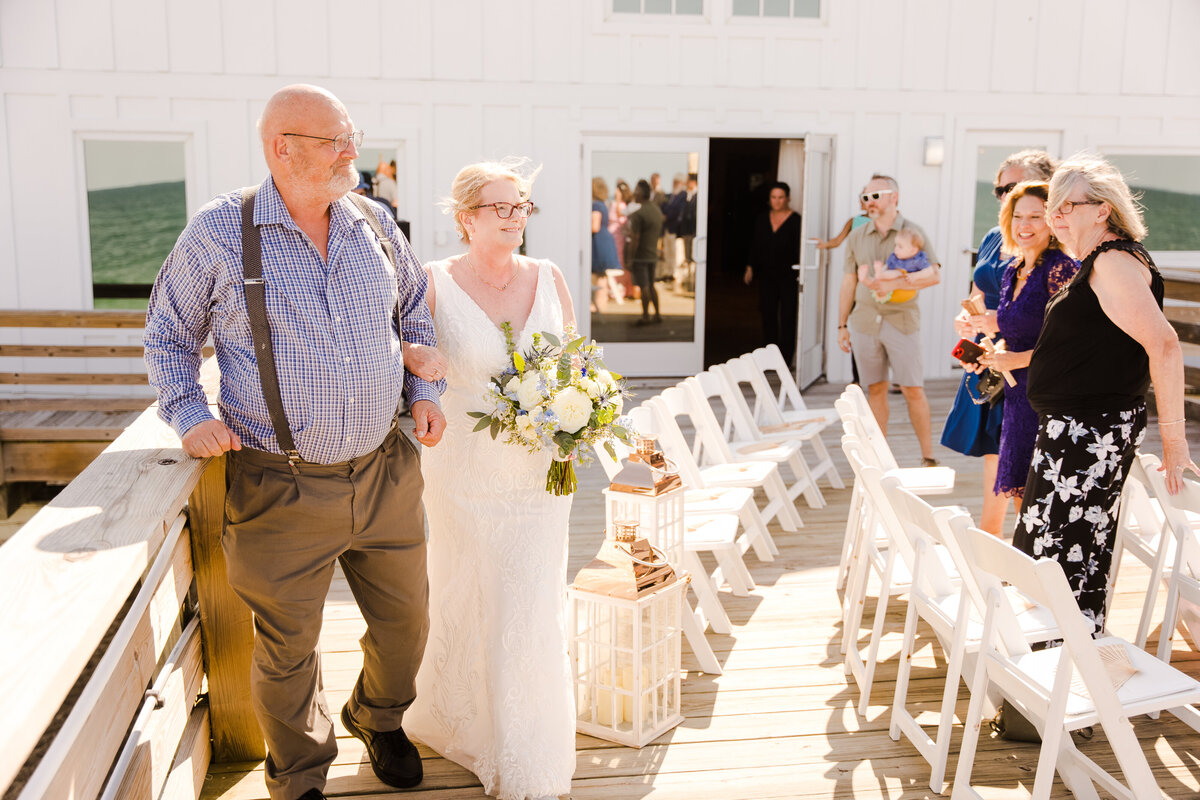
(1082, 361)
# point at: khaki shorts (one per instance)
(891, 348)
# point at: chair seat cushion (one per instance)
(703, 532)
(743, 473)
(923, 481)
(716, 500)
(1153, 681)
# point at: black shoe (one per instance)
(394, 758)
(312, 794)
(929, 462)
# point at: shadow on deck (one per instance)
(780, 721)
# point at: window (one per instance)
(810, 9)
(137, 207)
(1170, 193)
(685, 7)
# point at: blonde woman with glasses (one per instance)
(1103, 341)
(494, 692)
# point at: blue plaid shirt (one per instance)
(337, 350)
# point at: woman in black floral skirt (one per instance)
(1103, 340)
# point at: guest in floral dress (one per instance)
(1103, 340)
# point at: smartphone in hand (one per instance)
(967, 351)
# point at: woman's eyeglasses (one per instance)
(867, 197)
(340, 142)
(505, 210)
(1067, 206)
(1003, 190)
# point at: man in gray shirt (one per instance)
(644, 227)
(886, 334)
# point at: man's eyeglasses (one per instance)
(340, 142)
(505, 210)
(1003, 190)
(1067, 206)
(867, 197)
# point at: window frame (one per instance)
(1168, 259)
(705, 16)
(195, 172)
(822, 17)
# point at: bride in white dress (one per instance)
(494, 692)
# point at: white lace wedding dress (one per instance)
(494, 692)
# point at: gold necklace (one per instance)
(511, 278)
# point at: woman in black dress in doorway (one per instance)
(774, 249)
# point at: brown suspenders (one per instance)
(256, 309)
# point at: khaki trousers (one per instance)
(282, 534)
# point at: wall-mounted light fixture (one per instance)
(935, 151)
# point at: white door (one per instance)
(814, 221)
(669, 339)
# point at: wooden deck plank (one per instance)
(780, 722)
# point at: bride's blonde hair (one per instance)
(470, 180)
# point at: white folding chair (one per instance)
(922, 481)
(771, 422)
(741, 372)
(675, 403)
(940, 593)
(733, 440)
(889, 556)
(1179, 514)
(789, 403)
(1042, 685)
(700, 500)
(1143, 532)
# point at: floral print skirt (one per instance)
(1073, 497)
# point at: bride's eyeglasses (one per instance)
(505, 210)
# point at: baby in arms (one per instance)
(905, 258)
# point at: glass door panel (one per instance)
(646, 266)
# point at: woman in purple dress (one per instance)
(1037, 271)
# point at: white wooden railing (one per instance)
(124, 655)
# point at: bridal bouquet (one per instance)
(556, 396)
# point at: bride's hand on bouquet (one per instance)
(427, 363)
(430, 422)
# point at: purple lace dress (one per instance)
(1020, 322)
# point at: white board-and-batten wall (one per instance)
(452, 81)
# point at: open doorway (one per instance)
(741, 171)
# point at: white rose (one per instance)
(513, 386)
(529, 393)
(525, 427)
(591, 387)
(605, 379)
(617, 403)
(573, 409)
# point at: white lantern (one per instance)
(625, 641)
(647, 490)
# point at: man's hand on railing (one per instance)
(211, 438)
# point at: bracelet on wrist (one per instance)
(1172, 422)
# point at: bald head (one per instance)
(293, 107)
